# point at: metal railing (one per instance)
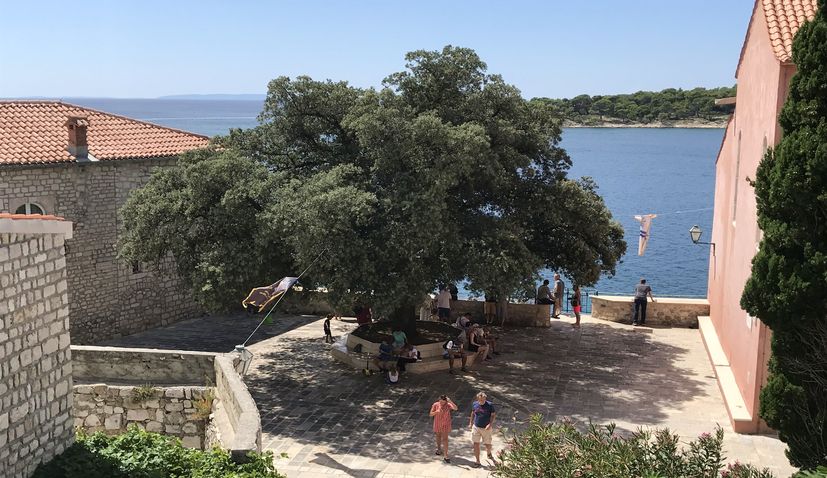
(585, 300)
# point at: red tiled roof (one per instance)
(33, 132)
(784, 18)
(5, 215)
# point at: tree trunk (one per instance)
(502, 310)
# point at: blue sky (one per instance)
(546, 48)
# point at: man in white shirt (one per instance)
(443, 304)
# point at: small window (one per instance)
(137, 267)
(30, 208)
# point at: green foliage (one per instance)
(820, 472)
(789, 272)
(141, 454)
(208, 213)
(559, 449)
(203, 405)
(144, 392)
(645, 107)
(444, 174)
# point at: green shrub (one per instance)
(141, 454)
(820, 472)
(560, 450)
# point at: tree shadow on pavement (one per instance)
(218, 334)
(599, 373)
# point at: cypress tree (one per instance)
(788, 286)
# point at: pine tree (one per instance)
(788, 286)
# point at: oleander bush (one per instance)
(141, 454)
(561, 450)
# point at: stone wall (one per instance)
(237, 425)
(667, 311)
(517, 315)
(35, 361)
(109, 298)
(115, 364)
(177, 411)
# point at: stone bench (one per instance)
(428, 363)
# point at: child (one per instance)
(328, 337)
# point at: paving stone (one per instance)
(331, 419)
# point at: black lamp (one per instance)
(695, 234)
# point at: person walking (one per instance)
(575, 304)
(642, 290)
(441, 411)
(482, 426)
(559, 287)
(328, 336)
(443, 303)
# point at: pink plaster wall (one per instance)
(762, 86)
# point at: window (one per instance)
(759, 234)
(137, 267)
(30, 208)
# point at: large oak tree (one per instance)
(444, 174)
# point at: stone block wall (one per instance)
(116, 364)
(517, 315)
(169, 410)
(35, 360)
(109, 299)
(667, 311)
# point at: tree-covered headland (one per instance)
(645, 107)
(444, 174)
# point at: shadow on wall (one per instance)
(598, 372)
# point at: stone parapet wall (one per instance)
(517, 315)
(35, 360)
(666, 311)
(109, 299)
(177, 411)
(237, 425)
(140, 366)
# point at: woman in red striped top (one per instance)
(441, 411)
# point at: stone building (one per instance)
(35, 359)
(737, 343)
(66, 160)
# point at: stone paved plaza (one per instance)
(327, 419)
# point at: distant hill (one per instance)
(217, 96)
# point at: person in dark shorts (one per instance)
(328, 336)
(642, 291)
(443, 304)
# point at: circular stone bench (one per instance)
(430, 354)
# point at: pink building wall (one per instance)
(762, 86)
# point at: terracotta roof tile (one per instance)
(784, 18)
(34, 132)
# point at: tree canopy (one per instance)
(666, 106)
(789, 273)
(444, 174)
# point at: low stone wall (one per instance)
(236, 422)
(518, 315)
(141, 366)
(667, 311)
(188, 377)
(177, 411)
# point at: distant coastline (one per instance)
(701, 124)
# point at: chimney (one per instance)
(77, 137)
